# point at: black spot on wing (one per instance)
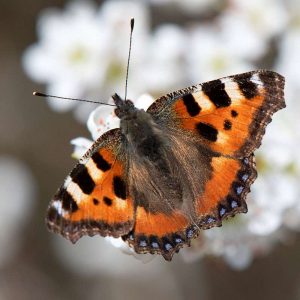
(68, 203)
(119, 187)
(234, 113)
(95, 201)
(191, 105)
(81, 176)
(248, 88)
(216, 92)
(227, 125)
(100, 162)
(207, 131)
(107, 201)
(52, 214)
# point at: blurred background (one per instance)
(79, 49)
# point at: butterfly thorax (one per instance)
(143, 135)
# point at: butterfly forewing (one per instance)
(228, 115)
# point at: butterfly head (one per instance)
(125, 108)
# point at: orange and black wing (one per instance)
(94, 197)
(228, 115)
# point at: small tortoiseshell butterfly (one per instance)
(185, 164)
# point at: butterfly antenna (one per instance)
(73, 99)
(129, 52)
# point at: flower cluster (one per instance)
(82, 52)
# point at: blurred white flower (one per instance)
(101, 120)
(81, 145)
(67, 56)
(233, 242)
(143, 102)
(211, 58)
(267, 18)
(82, 51)
(164, 67)
(124, 247)
(288, 62)
(101, 255)
(17, 192)
(247, 27)
(293, 7)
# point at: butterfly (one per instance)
(184, 165)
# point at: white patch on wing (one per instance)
(233, 91)
(75, 191)
(120, 203)
(255, 79)
(222, 137)
(58, 206)
(93, 170)
(67, 181)
(203, 101)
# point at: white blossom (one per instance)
(210, 58)
(81, 145)
(101, 120)
(289, 63)
(67, 56)
(82, 52)
(164, 67)
(248, 26)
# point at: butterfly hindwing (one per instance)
(225, 192)
(159, 233)
(94, 198)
